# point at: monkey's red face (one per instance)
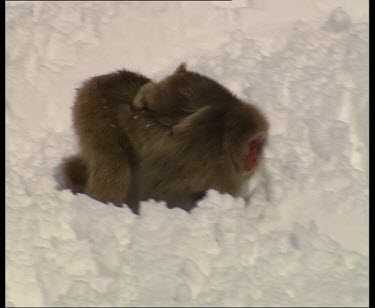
(255, 148)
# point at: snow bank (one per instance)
(299, 238)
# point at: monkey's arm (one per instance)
(187, 123)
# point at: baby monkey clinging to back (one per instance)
(170, 141)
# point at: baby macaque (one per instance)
(170, 140)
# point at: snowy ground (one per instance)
(301, 239)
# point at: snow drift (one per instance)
(299, 238)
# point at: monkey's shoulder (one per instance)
(121, 85)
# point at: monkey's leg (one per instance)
(109, 178)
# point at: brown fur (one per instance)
(169, 141)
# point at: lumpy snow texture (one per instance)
(300, 235)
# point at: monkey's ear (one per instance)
(146, 96)
(181, 68)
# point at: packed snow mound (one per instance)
(299, 237)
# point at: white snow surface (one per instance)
(299, 238)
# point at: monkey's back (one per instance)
(97, 106)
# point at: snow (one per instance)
(300, 235)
